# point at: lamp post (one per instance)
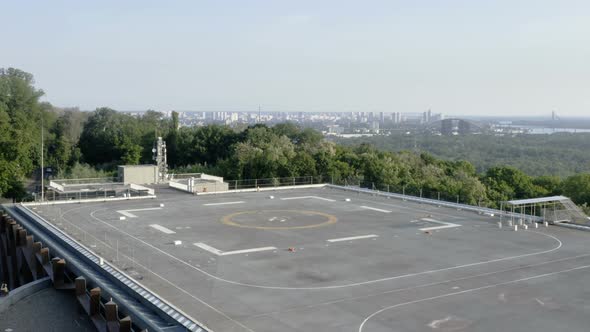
(42, 164)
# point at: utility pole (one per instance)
(42, 164)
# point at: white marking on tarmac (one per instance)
(305, 197)
(208, 248)
(468, 291)
(375, 209)
(443, 223)
(223, 203)
(435, 323)
(559, 245)
(353, 238)
(127, 214)
(131, 215)
(162, 229)
(398, 290)
(226, 253)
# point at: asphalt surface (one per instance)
(259, 264)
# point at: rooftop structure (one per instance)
(335, 258)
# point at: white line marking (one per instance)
(443, 223)
(146, 209)
(162, 229)
(127, 214)
(131, 215)
(375, 209)
(435, 323)
(468, 291)
(208, 248)
(223, 203)
(226, 253)
(305, 197)
(398, 290)
(233, 282)
(353, 238)
(323, 199)
(402, 207)
(247, 251)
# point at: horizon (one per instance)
(460, 57)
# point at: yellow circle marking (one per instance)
(228, 220)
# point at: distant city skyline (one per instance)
(457, 57)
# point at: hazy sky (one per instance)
(457, 57)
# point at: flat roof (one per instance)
(331, 260)
(537, 200)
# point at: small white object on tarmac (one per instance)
(161, 204)
(499, 224)
(271, 197)
(546, 224)
(525, 226)
(536, 224)
(347, 199)
(122, 218)
(177, 242)
(515, 228)
(101, 261)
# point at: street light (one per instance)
(42, 164)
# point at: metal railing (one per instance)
(273, 182)
(459, 206)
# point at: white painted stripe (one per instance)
(323, 199)
(306, 197)
(223, 203)
(375, 209)
(145, 209)
(443, 223)
(131, 215)
(127, 214)
(162, 229)
(438, 227)
(226, 253)
(353, 238)
(244, 251)
(289, 198)
(208, 248)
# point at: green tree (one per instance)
(172, 141)
(577, 188)
(21, 115)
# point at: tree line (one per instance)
(561, 154)
(89, 144)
